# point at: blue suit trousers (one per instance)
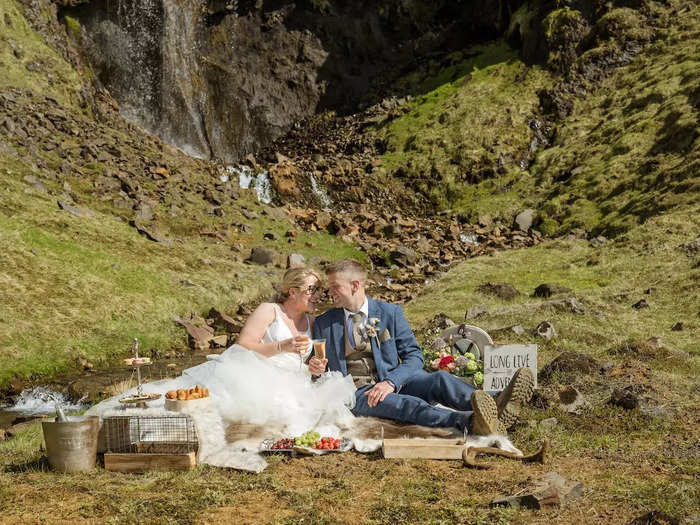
(413, 403)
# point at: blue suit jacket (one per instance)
(397, 359)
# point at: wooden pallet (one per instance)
(423, 448)
(144, 462)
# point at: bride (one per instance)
(265, 378)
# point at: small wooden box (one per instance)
(423, 448)
(188, 406)
(143, 462)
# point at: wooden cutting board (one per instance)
(423, 448)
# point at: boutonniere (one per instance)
(372, 331)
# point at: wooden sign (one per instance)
(501, 362)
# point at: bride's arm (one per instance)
(254, 331)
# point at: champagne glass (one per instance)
(302, 338)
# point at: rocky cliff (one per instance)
(220, 80)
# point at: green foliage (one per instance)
(27, 62)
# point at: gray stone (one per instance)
(144, 212)
(571, 400)
(549, 492)
(642, 303)
(295, 260)
(404, 256)
(475, 311)
(625, 398)
(78, 212)
(546, 330)
(524, 220)
(691, 247)
(262, 256)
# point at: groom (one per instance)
(371, 340)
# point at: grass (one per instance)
(473, 109)
(27, 62)
(615, 161)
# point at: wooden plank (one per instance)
(143, 462)
(423, 448)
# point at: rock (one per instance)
(655, 517)
(16, 386)
(152, 234)
(198, 336)
(441, 321)
(571, 400)
(270, 236)
(547, 425)
(248, 214)
(625, 398)
(323, 220)
(78, 212)
(652, 348)
(545, 330)
(144, 212)
(162, 172)
(262, 256)
(524, 220)
(505, 291)
(598, 241)
(35, 183)
(677, 327)
(404, 256)
(642, 303)
(222, 321)
(220, 340)
(571, 362)
(475, 311)
(547, 290)
(549, 492)
(295, 260)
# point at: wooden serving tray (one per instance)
(144, 462)
(423, 448)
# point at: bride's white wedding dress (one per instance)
(246, 387)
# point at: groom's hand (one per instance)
(317, 365)
(378, 393)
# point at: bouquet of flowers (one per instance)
(445, 357)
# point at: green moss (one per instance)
(623, 24)
(27, 62)
(73, 27)
(474, 112)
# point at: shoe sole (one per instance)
(485, 408)
(522, 386)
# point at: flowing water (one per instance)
(246, 176)
(320, 193)
(40, 400)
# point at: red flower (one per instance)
(446, 361)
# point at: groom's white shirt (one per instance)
(364, 310)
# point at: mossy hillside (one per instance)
(646, 263)
(630, 149)
(28, 63)
(469, 123)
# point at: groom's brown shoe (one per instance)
(485, 415)
(516, 395)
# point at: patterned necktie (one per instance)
(360, 343)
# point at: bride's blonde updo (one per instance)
(294, 278)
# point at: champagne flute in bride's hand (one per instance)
(302, 338)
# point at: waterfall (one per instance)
(320, 193)
(246, 176)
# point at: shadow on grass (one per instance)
(40, 464)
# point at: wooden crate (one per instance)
(143, 462)
(423, 448)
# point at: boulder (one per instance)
(524, 220)
(295, 260)
(545, 330)
(475, 311)
(404, 256)
(262, 256)
(223, 321)
(625, 398)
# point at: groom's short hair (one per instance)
(348, 267)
